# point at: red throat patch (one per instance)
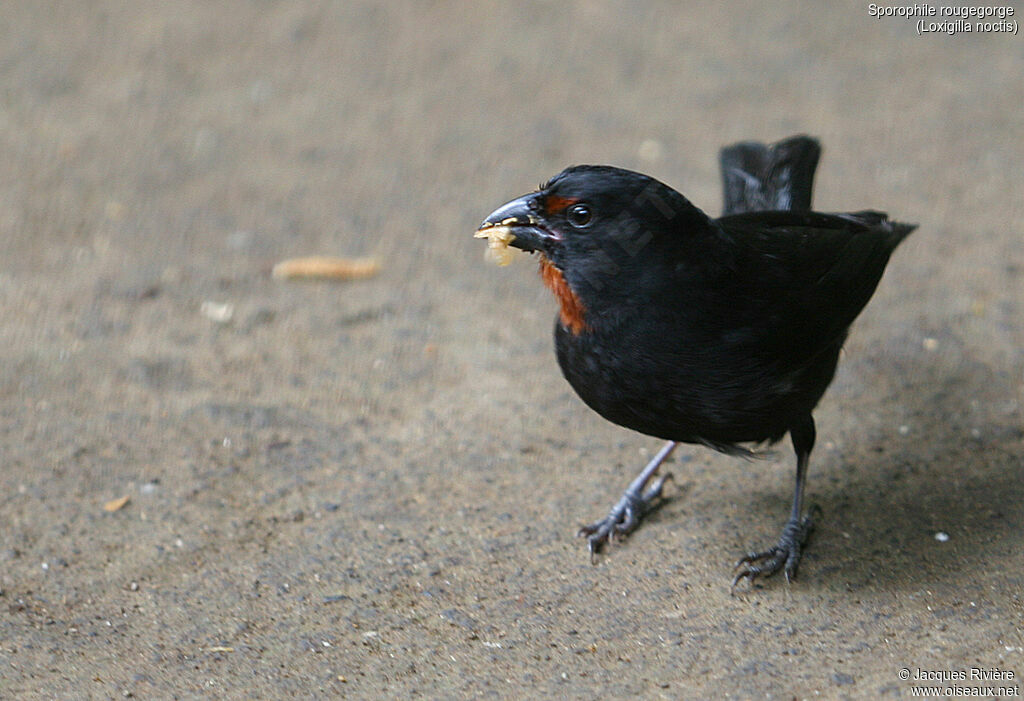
(571, 310)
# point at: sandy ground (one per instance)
(371, 489)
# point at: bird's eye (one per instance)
(579, 215)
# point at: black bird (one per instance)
(723, 332)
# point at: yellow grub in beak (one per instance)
(498, 238)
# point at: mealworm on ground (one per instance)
(326, 267)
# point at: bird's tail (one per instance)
(758, 177)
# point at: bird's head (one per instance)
(599, 232)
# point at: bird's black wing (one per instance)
(808, 275)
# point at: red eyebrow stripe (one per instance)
(554, 203)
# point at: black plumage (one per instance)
(724, 332)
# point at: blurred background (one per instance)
(371, 487)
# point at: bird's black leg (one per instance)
(785, 555)
(635, 502)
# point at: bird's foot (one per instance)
(635, 503)
(785, 555)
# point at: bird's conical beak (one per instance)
(515, 224)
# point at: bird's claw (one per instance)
(624, 516)
(785, 555)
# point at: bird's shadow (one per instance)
(937, 489)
